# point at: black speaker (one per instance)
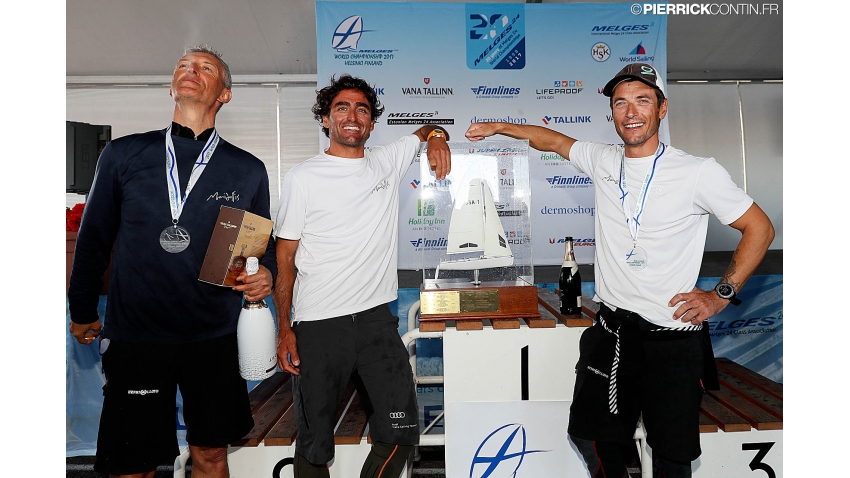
(83, 145)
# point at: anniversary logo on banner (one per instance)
(453, 64)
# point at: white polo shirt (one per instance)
(683, 191)
(344, 212)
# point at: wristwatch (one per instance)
(727, 291)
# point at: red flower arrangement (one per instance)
(73, 216)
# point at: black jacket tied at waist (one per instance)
(631, 331)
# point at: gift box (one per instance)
(237, 236)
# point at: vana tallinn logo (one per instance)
(347, 34)
(494, 453)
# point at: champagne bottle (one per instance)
(569, 283)
(256, 336)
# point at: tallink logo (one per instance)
(493, 455)
(565, 119)
(347, 34)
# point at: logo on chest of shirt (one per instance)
(611, 179)
(384, 184)
(231, 196)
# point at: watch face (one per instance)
(725, 291)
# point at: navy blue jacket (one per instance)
(154, 296)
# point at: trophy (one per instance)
(477, 261)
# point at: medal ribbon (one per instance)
(634, 220)
(172, 176)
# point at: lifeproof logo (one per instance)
(493, 452)
(560, 87)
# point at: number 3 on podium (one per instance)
(756, 463)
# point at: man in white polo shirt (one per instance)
(338, 226)
(648, 354)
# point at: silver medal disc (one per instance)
(174, 239)
(636, 259)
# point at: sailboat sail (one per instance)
(495, 244)
(466, 229)
(475, 227)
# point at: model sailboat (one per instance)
(475, 227)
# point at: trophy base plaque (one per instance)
(469, 304)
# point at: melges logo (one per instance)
(569, 182)
(493, 453)
(565, 119)
(491, 92)
(620, 30)
(417, 117)
(560, 87)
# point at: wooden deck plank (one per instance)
(549, 300)
(756, 395)
(267, 416)
(266, 389)
(469, 325)
(432, 326)
(757, 417)
(353, 424)
(726, 419)
(505, 324)
(751, 377)
(706, 425)
(546, 320)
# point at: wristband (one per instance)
(436, 132)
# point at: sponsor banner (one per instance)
(453, 64)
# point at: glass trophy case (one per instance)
(477, 260)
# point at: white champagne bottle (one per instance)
(256, 336)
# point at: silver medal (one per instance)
(174, 239)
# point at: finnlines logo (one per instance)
(495, 91)
(566, 119)
(565, 182)
(430, 243)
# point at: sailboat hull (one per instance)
(476, 263)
